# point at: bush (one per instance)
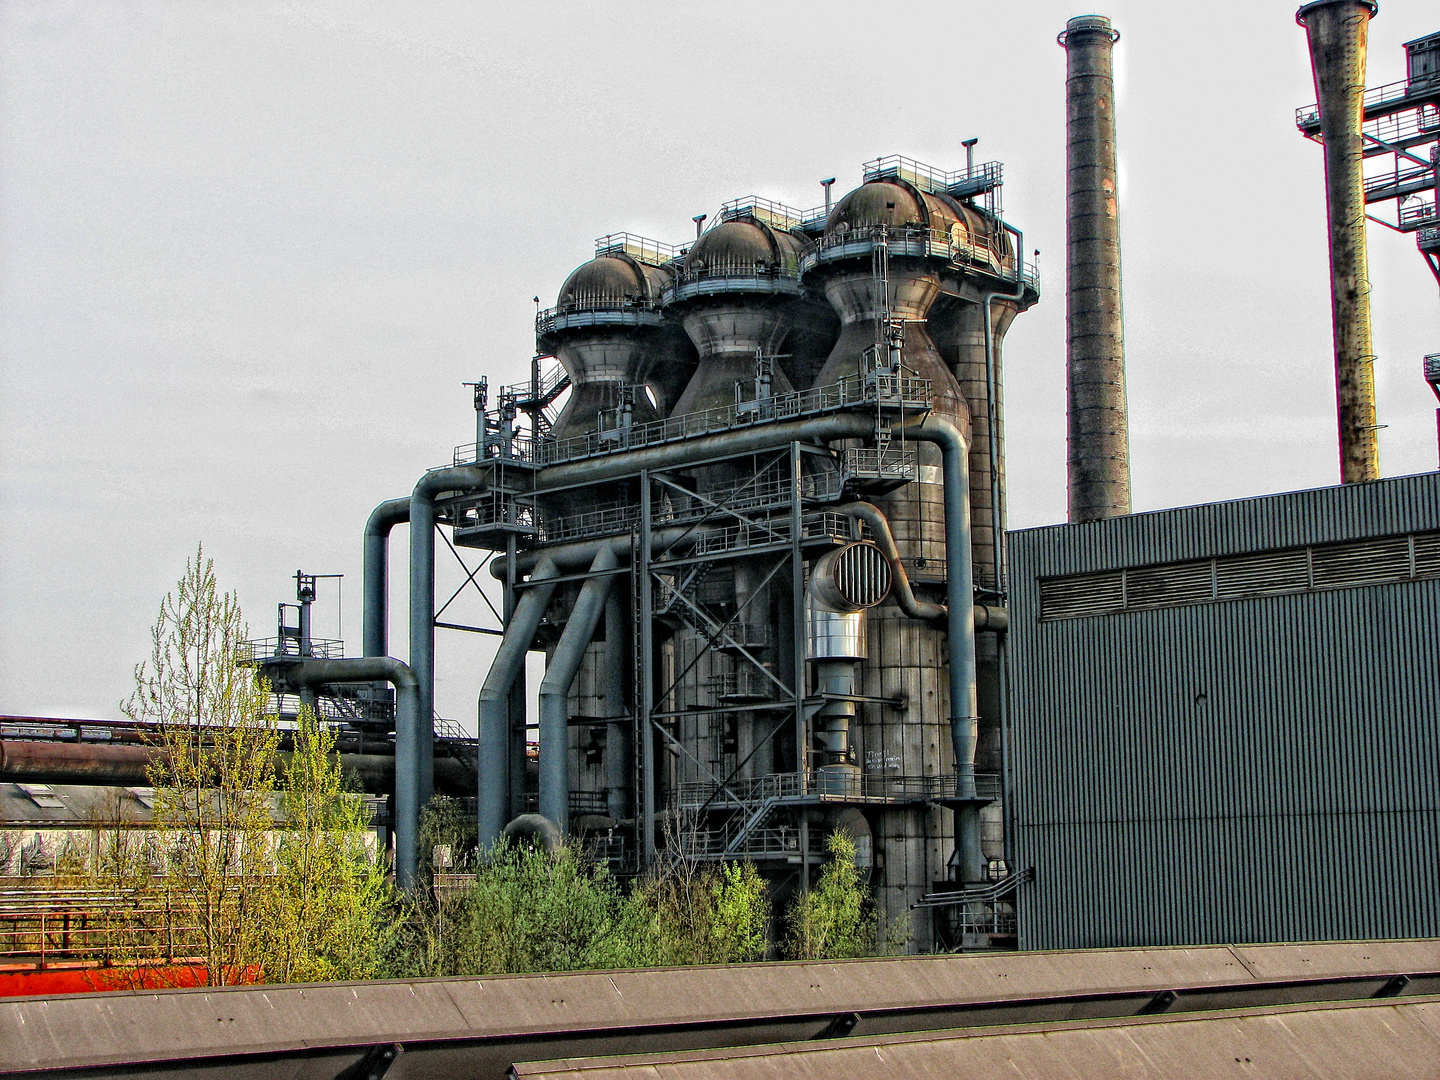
(836, 919)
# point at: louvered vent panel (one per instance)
(1077, 597)
(1262, 574)
(1427, 554)
(1364, 562)
(1166, 586)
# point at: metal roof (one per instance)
(1355, 1040)
(475, 1027)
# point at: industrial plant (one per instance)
(750, 506)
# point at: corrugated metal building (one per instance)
(1223, 721)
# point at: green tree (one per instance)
(836, 919)
(323, 913)
(214, 770)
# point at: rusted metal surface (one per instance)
(476, 1027)
(1099, 439)
(1356, 1040)
(1337, 31)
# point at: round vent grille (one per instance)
(855, 576)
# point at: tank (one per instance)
(880, 263)
(733, 294)
(604, 330)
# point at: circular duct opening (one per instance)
(851, 578)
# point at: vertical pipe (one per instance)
(494, 727)
(375, 599)
(797, 607)
(1337, 32)
(555, 689)
(645, 683)
(1098, 459)
(617, 736)
(422, 633)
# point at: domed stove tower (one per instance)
(607, 331)
(891, 250)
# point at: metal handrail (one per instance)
(918, 240)
(754, 791)
(1387, 94)
(641, 248)
(545, 320)
(266, 648)
(1418, 212)
(766, 210)
(873, 390)
(927, 177)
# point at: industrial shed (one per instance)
(1222, 721)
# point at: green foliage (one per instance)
(836, 919)
(324, 909)
(532, 910)
(213, 770)
(697, 913)
(446, 830)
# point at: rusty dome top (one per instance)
(896, 204)
(744, 244)
(610, 280)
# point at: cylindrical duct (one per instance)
(1337, 31)
(1099, 441)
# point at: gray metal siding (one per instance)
(1258, 770)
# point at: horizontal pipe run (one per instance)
(375, 594)
(581, 554)
(493, 728)
(312, 674)
(854, 425)
(45, 762)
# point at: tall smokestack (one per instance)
(1338, 31)
(1099, 442)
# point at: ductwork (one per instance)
(493, 727)
(375, 593)
(422, 594)
(988, 617)
(411, 763)
(555, 689)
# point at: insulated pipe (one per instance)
(1337, 31)
(1099, 442)
(555, 689)
(409, 764)
(987, 616)
(375, 594)
(960, 625)
(422, 597)
(493, 725)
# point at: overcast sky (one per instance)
(252, 250)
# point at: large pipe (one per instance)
(960, 626)
(1099, 443)
(410, 766)
(555, 689)
(109, 764)
(493, 727)
(422, 597)
(375, 594)
(856, 425)
(1337, 31)
(990, 617)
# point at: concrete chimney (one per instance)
(1099, 440)
(1338, 31)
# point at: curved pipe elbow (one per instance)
(311, 673)
(905, 596)
(386, 516)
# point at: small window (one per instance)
(43, 795)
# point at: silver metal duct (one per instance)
(1337, 31)
(1099, 442)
